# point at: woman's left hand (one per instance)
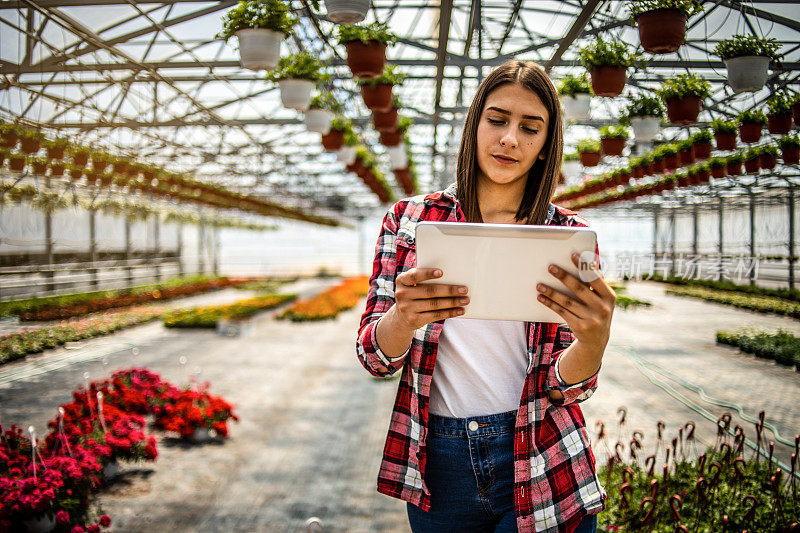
(588, 314)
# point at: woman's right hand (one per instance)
(417, 305)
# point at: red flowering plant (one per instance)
(195, 408)
(138, 390)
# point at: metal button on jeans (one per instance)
(473, 426)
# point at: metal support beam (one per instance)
(577, 27)
(445, 11)
(721, 248)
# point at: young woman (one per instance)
(486, 432)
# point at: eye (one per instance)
(531, 130)
(493, 121)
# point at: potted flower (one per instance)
(620, 176)
(377, 91)
(16, 162)
(636, 165)
(347, 11)
(734, 164)
(57, 168)
(387, 120)
(30, 140)
(320, 112)
(75, 172)
(38, 164)
(119, 164)
(724, 133)
(662, 23)
(790, 149)
(612, 139)
(644, 113)
(779, 117)
(334, 139)
(607, 63)
(55, 148)
(657, 165)
(684, 96)
(669, 152)
(393, 138)
(571, 166)
(366, 48)
(752, 160)
(99, 160)
(747, 58)
(686, 152)
(80, 155)
(9, 135)
(701, 144)
(260, 26)
(751, 122)
(681, 178)
(296, 75)
(700, 173)
(576, 95)
(718, 166)
(767, 156)
(589, 152)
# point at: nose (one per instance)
(508, 138)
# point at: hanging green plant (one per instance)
(375, 32)
(389, 76)
(644, 106)
(366, 47)
(747, 59)
(300, 66)
(572, 85)
(607, 62)
(751, 123)
(683, 96)
(779, 117)
(260, 14)
(748, 45)
(790, 149)
(326, 100)
(377, 91)
(662, 23)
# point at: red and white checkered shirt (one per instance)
(556, 483)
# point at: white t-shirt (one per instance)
(480, 367)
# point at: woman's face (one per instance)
(511, 133)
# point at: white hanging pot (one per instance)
(319, 120)
(645, 129)
(346, 154)
(42, 524)
(576, 107)
(296, 94)
(259, 48)
(572, 169)
(397, 156)
(747, 73)
(347, 11)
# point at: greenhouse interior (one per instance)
(207, 208)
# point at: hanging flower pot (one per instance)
(701, 176)
(752, 162)
(733, 165)
(30, 142)
(346, 154)
(645, 129)
(347, 11)
(684, 180)
(718, 168)
(120, 166)
(378, 97)
(684, 96)
(259, 48)
(8, 135)
(56, 149)
(366, 60)
(637, 171)
(590, 159)
(296, 93)
(99, 161)
(768, 160)
(796, 113)
(662, 31)
(318, 120)
(607, 62)
(683, 111)
(671, 161)
(333, 140)
(80, 157)
(750, 133)
(16, 162)
(57, 169)
(385, 120)
(39, 165)
(747, 59)
(701, 145)
(790, 149)
(576, 107)
(686, 153)
(612, 145)
(657, 166)
(725, 140)
(397, 155)
(779, 124)
(608, 81)
(391, 138)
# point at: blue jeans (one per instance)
(470, 474)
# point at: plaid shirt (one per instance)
(556, 483)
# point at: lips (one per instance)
(504, 158)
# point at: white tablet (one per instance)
(501, 264)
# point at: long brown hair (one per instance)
(543, 175)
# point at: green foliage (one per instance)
(752, 116)
(626, 302)
(269, 14)
(644, 106)
(684, 85)
(781, 346)
(403, 123)
(39, 160)
(326, 100)
(614, 132)
(702, 136)
(603, 53)
(665, 149)
(768, 149)
(685, 144)
(789, 141)
(389, 75)
(718, 162)
(687, 7)
(780, 103)
(60, 142)
(376, 31)
(752, 153)
(341, 123)
(762, 304)
(28, 133)
(748, 45)
(727, 285)
(736, 157)
(571, 85)
(571, 156)
(720, 125)
(301, 66)
(208, 317)
(588, 145)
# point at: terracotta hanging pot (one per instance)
(57, 169)
(791, 156)
(725, 141)
(366, 60)
(590, 159)
(55, 152)
(701, 177)
(608, 81)
(120, 167)
(29, 146)
(9, 139)
(333, 140)
(16, 163)
(750, 133)
(80, 159)
(39, 168)
(662, 31)
(378, 98)
(684, 111)
(657, 166)
(752, 164)
(684, 180)
(718, 172)
(796, 114)
(385, 120)
(686, 156)
(391, 138)
(779, 124)
(733, 168)
(702, 150)
(671, 161)
(637, 172)
(612, 145)
(767, 161)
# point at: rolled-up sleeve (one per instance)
(380, 299)
(575, 392)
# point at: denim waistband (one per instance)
(496, 424)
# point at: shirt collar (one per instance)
(449, 196)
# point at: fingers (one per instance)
(419, 304)
(560, 302)
(412, 277)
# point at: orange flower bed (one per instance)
(330, 303)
